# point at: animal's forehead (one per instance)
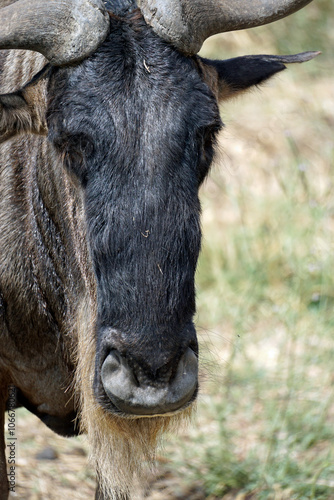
(140, 102)
(119, 7)
(137, 78)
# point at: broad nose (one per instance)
(131, 392)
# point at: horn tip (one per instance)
(298, 58)
(307, 56)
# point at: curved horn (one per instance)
(187, 23)
(64, 31)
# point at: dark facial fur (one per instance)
(136, 126)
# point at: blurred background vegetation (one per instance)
(265, 290)
(265, 280)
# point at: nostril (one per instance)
(185, 379)
(133, 394)
(116, 367)
(114, 361)
(117, 376)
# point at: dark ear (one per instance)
(227, 78)
(24, 111)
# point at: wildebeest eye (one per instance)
(75, 151)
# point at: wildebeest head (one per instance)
(133, 122)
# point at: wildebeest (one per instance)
(108, 127)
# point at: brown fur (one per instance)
(24, 111)
(221, 90)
